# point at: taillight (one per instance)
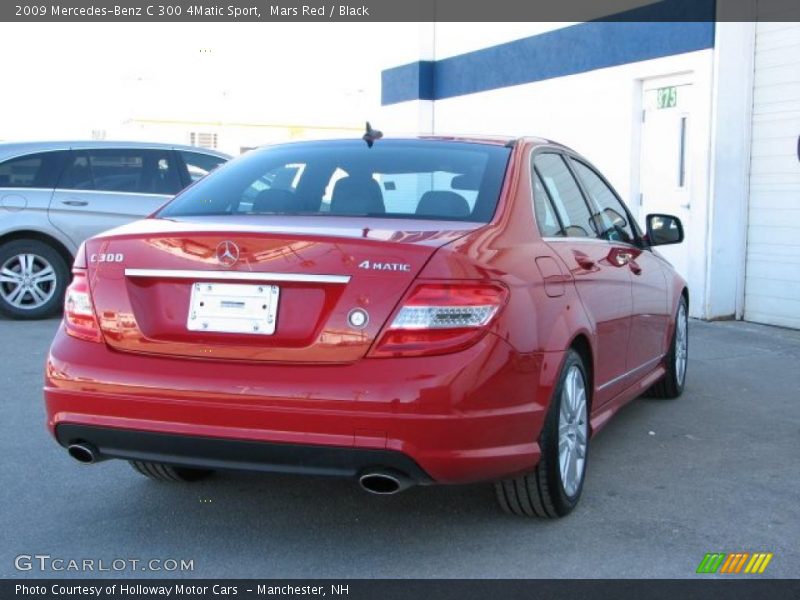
(79, 318)
(437, 318)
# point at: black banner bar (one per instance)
(456, 589)
(397, 10)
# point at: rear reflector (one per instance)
(79, 318)
(438, 318)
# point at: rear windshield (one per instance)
(394, 179)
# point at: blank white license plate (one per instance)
(233, 308)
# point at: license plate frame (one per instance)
(236, 308)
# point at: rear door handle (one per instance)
(75, 202)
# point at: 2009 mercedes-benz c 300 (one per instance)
(408, 311)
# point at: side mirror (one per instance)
(663, 230)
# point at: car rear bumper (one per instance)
(246, 455)
(470, 416)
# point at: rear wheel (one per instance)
(162, 472)
(33, 279)
(671, 385)
(555, 487)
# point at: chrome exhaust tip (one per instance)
(384, 482)
(84, 453)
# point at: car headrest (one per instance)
(357, 195)
(443, 204)
(275, 201)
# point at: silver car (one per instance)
(54, 195)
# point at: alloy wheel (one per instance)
(681, 344)
(572, 431)
(27, 281)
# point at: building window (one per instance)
(203, 139)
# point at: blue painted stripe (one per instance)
(408, 82)
(575, 49)
(568, 51)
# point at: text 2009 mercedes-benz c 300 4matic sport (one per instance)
(432, 310)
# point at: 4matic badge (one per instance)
(384, 266)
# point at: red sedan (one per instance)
(408, 311)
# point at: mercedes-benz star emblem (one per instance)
(227, 253)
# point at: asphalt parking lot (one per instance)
(668, 481)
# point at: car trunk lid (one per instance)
(202, 289)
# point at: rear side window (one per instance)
(546, 218)
(565, 195)
(198, 164)
(127, 171)
(39, 170)
(612, 219)
(394, 179)
(78, 175)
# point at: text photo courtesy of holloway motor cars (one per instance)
(400, 299)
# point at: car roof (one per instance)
(493, 140)
(496, 139)
(9, 149)
(504, 140)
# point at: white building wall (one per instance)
(730, 167)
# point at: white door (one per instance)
(665, 168)
(772, 276)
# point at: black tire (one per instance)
(672, 384)
(169, 473)
(62, 277)
(541, 493)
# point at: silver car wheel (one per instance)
(572, 431)
(27, 281)
(681, 344)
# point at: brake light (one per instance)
(79, 317)
(438, 318)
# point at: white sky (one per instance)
(63, 80)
